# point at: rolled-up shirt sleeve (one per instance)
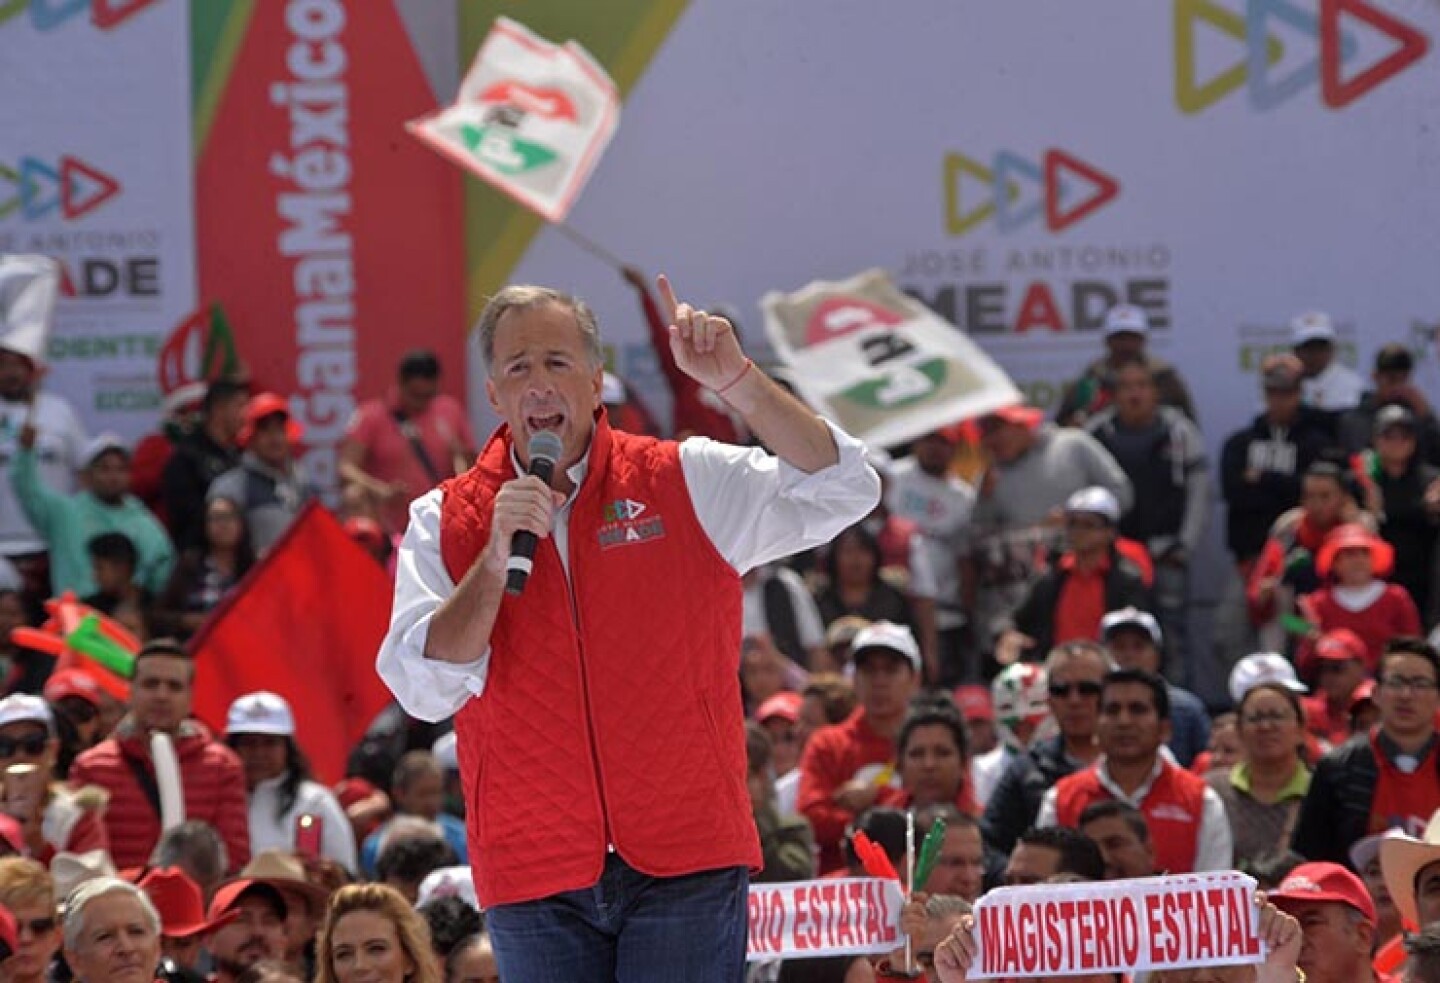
(429, 689)
(757, 508)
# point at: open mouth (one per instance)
(554, 421)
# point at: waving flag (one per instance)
(305, 623)
(880, 363)
(532, 118)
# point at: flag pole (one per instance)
(589, 245)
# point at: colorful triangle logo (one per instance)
(1411, 46)
(1102, 186)
(39, 188)
(1193, 96)
(1008, 167)
(83, 188)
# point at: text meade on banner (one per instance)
(306, 623)
(833, 917)
(879, 363)
(1148, 923)
(532, 118)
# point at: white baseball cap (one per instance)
(1095, 501)
(24, 708)
(448, 882)
(1126, 317)
(1263, 667)
(1131, 617)
(1311, 326)
(887, 635)
(96, 447)
(260, 713)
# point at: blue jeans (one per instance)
(627, 928)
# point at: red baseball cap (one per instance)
(181, 906)
(974, 702)
(266, 405)
(1341, 645)
(75, 683)
(1019, 414)
(785, 706)
(1324, 882)
(1364, 693)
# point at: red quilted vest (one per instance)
(612, 711)
(1172, 810)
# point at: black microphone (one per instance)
(545, 450)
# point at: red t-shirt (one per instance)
(1392, 613)
(1081, 604)
(443, 431)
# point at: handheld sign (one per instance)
(831, 917)
(1207, 919)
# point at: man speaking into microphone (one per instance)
(598, 711)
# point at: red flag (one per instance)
(306, 623)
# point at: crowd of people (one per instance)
(1001, 644)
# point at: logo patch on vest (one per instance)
(1172, 812)
(624, 526)
(623, 509)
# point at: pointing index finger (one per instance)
(667, 296)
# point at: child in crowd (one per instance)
(1352, 565)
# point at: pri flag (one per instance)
(532, 118)
(304, 623)
(879, 363)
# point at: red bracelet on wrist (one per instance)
(738, 376)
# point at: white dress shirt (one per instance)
(754, 507)
(1214, 845)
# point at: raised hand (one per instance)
(704, 345)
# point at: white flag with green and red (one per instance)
(878, 362)
(531, 118)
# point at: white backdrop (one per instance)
(116, 101)
(771, 144)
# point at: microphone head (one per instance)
(545, 445)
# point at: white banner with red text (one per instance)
(1207, 919)
(832, 917)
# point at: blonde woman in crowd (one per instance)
(372, 934)
(26, 889)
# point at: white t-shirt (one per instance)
(1339, 387)
(59, 442)
(941, 508)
